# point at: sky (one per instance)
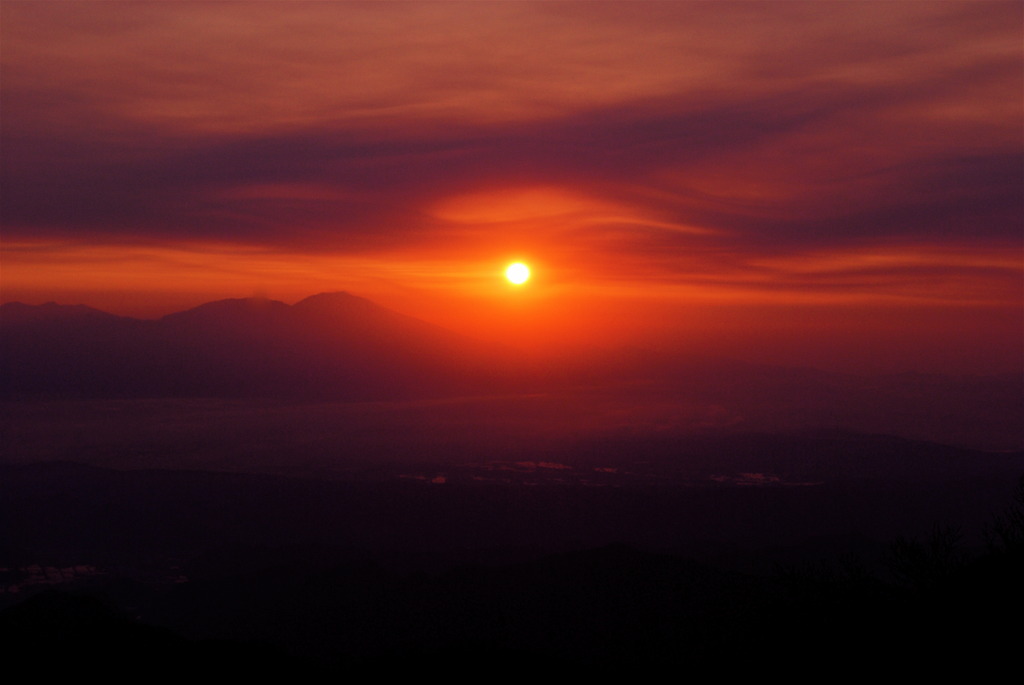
(832, 184)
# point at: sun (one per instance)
(517, 273)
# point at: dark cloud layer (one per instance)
(75, 186)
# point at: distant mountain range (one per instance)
(332, 345)
(340, 347)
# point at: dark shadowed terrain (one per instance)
(333, 488)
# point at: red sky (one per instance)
(834, 184)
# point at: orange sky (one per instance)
(839, 187)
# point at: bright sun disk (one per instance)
(517, 273)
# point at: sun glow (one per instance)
(517, 273)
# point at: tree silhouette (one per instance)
(1006, 533)
(923, 566)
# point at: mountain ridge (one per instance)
(339, 346)
(332, 345)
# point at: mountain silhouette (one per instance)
(332, 345)
(51, 313)
(337, 346)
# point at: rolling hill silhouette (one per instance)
(332, 345)
(337, 346)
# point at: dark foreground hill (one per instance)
(239, 574)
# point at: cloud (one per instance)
(686, 139)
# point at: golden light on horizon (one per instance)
(517, 273)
